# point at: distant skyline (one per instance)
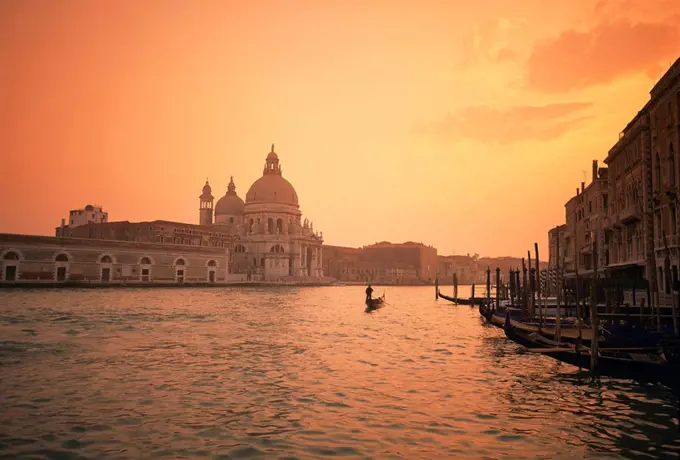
(463, 125)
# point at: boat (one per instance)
(620, 358)
(374, 304)
(457, 300)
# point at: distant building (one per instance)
(88, 215)
(584, 214)
(261, 239)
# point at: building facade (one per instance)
(583, 233)
(664, 116)
(639, 199)
(46, 260)
(261, 239)
(88, 215)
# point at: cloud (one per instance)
(489, 42)
(608, 51)
(515, 124)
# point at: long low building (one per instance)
(28, 259)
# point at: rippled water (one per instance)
(298, 373)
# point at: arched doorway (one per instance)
(180, 266)
(61, 263)
(212, 271)
(11, 261)
(145, 269)
(105, 264)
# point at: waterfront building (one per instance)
(636, 201)
(664, 119)
(261, 239)
(88, 215)
(584, 214)
(625, 237)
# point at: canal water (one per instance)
(298, 373)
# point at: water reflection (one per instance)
(299, 373)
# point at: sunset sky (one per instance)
(464, 125)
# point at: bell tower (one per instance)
(206, 209)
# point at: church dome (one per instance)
(272, 187)
(230, 203)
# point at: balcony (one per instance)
(630, 213)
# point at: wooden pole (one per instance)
(436, 288)
(530, 292)
(498, 283)
(512, 288)
(455, 286)
(472, 296)
(525, 297)
(488, 287)
(594, 320)
(538, 284)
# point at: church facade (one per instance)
(261, 239)
(271, 240)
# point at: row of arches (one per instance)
(241, 249)
(12, 259)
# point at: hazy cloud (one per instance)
(575, 60)
(515, 124)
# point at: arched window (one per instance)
(212, 263)
(105, 260)
(145, 261)
(270, 225)
(671, 165)
(11, 256)
(61, 258)
(180, 262)
(279, 225)
(11, 266)
(657, 171)
(239, 248)
(276, 248)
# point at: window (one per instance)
(657, 172)
(212, 263)
(106, 275)
(105, 260)
(180, 262)
(145, 261)
(61, 258)
(61, 273)
(671, 165)
(11, 256)
(145, 274)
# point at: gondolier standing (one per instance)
(369, 293)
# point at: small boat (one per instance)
(374, 304)
(458, 301)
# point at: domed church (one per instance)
(272, 242)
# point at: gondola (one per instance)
(456, 301)
(647, 364)
(374, 304)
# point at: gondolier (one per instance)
(369, 293)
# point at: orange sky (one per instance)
(465, 125)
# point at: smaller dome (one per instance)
(206, 192)
(230, 203)
(272, 155)
(89, 207)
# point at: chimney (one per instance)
(583, 187)
(61, 230)
(577, 191)
(594, 170)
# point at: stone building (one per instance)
(664, 116)
(261, 239)
(46, 259)
(624, 224)
(272, 241)
(584, 213)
